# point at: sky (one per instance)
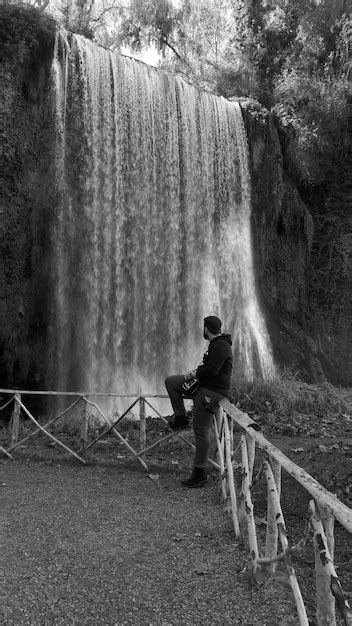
(151, 56)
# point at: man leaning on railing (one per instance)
(209, 383)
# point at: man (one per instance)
(214, 376)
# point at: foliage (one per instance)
(84, 17)
(146, 22)
(311, 96)
(331, 268)
(24, 28)
(77, 15)
(314, 111)
(38, 4)
(292, 57)
(195, 39)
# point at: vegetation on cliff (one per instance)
(27, 42)
(25, 37)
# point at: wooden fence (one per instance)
(324, 509)
(236, 435)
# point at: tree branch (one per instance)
(111, 8)
(169, 45)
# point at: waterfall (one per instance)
(151, 232)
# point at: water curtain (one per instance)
(152, 227)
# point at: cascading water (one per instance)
(152, 231)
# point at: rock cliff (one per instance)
(309, 335)
(27, 194)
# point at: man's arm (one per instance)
(216, 358)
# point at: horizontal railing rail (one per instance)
(229, 423)
(27, 392)
(321, 495)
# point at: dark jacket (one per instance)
(215, 372)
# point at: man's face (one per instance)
(205, 333)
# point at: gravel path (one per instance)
(106, 544)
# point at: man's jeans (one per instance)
(202, 418)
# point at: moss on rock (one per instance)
(284, 234)
(26, 49)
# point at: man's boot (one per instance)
(180, 422)
(198, 478)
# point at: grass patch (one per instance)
(288, 396)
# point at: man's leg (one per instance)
(173, 386)
(202, 420)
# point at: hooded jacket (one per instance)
(215, 372)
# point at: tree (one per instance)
(311, 94)
(94, 19)
(291, 56)
(38, 4)
(77, 16)
(193, 37)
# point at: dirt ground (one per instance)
(109, 543)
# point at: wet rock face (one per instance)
(283, 233)
(282, 226)
(27, 193)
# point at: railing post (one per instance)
(272, 535)
(251, 456)
(231, 421)
(328, 587)
(279, 518)
(142, 424)
(325, 599)
(328, 525)
(230, 480)
(84, 423)
(220, 455)
(15, 419)
(248, 505)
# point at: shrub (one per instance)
(287, 396)
(24, 29)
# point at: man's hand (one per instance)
(190, 375)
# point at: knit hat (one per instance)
(213, 324)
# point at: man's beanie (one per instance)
(213, 324)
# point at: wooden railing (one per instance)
(324, 508)
(236, 435)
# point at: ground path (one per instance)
(106, 544)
